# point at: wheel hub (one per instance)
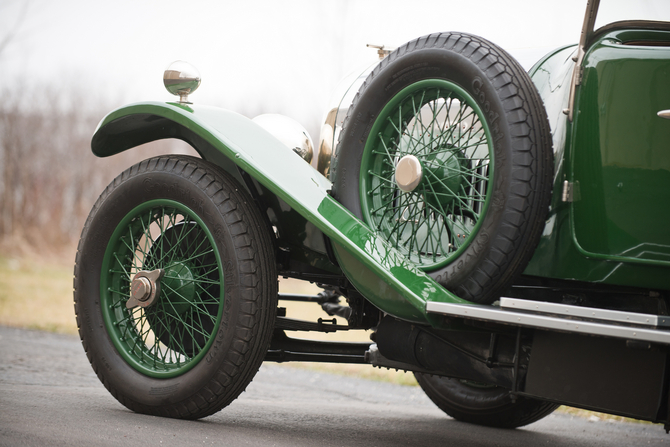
(408, 173)
(440, 172)
(145, 288)
(141, 289)
(445, 177)
(179, 287)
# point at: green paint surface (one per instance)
(386, 277)
(616, 155)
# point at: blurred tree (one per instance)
(11, 33)
(49, 177)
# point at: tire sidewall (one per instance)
(122, 199)
(385, 83)
(468, 398)
(490, 406)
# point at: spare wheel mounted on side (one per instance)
(446, 151)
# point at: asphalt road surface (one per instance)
(49, 395)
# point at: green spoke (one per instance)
(170, 252)
(212, 298)
(148, 240)
(472, 173)
(176, 292)
(480, 142)
(196, 249)
(188, 248)
(393, 124)
(377, 187)
(118, 304)
(124, 320)
(383, 205)
(459, 198)
(212, 270)
(202, 281)
(119, 292)
(125, 272)
(135, 258)
(198, 255)
(382, 178)
(214, 267)
(386, 150)
(191, 329)
(472, 187)
(409, 217)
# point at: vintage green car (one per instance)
(502, 233)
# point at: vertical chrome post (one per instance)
(587, 32)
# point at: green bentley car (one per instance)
(501, 233)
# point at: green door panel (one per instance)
(622, 153)
(375, 268)
(617, 156)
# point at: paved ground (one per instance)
(50, 396)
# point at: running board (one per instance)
(563, 317)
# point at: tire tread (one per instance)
(256, 319)
(530, 136)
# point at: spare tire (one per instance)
(446, 152)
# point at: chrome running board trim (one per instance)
(585, 313)
(548, 322)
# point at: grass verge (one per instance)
(36, 295)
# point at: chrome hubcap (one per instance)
(408, 173)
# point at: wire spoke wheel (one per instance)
(442, 128)
(446, 152)
(168, 337)
(175, 288)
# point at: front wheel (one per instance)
(482, 404)
(175, 288)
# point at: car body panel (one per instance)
(614, 156)
(140, 123)
(385, 276)
(621, 157)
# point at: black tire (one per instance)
(483, 405)
(474, 220)
(197, 347)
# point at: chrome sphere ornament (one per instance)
(288, 131)
(182, 79)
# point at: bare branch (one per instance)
(15, 29)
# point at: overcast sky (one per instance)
(284, 55)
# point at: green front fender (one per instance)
(382, 274)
